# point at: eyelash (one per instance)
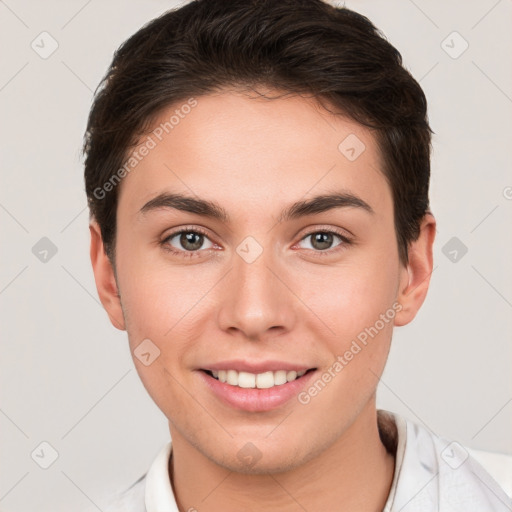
(190, 254)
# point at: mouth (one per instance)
(265, 380)
(255, 386)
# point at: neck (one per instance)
(354, 473)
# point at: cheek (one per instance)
(358, 307)
(158, 304)
(156, 294)
(172, 307)
(349, 298)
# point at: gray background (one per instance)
(67, 377)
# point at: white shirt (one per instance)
(432, 474)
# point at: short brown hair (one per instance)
(296, 46)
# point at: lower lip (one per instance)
(255, 399)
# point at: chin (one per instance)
(278, 463)
(260, 456)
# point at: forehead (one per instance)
(246, 150)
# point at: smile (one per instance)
(249, 380)
(256, 392)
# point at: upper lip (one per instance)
(256, 366)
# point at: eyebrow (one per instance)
(211, 209)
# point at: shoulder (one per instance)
(442, 475)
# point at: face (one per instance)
(262, 287)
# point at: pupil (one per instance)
(322, 240)
(187, 239)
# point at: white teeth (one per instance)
(280, 377)
(261, 380)
(245, 379)
(265, 380)
(291, 375)
(232, 377)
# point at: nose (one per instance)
(257, 301)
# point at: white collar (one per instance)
(159, 496)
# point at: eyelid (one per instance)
(344, 234)
(186, 229)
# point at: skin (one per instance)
(295, 302)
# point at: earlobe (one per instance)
(415, 277)
(105, 279)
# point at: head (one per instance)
(257, 176)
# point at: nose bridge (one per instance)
(255, 298)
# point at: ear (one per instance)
(105, 278)
(415, 276)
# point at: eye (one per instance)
(186, 242)
(322, 241)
